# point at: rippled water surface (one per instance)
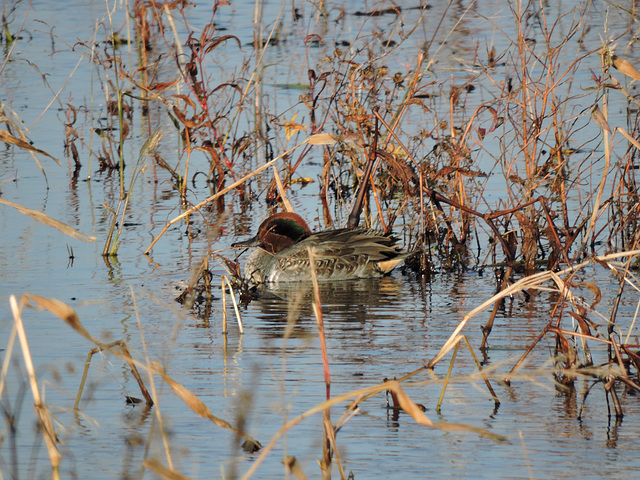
(273, 372)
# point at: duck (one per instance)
(341, 254)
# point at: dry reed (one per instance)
(427, 180)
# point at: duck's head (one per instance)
(278, 232)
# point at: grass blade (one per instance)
(52, 222)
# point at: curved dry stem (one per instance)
(532, 281)
(407, 404)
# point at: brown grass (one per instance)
(424, 142)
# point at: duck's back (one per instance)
(338, 255)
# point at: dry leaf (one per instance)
(598, 117)
(492, 57)
(409, 406)
(55, 306)
(400, 171)
(47, 220)
(582, 322)
(293, 467)
(186, 100)
(413, 409)
(197, 405)
(597, 294)
(625, 67)
(516, 179)
(416, 101)
(448, 170)
(62, 310)
(158, 87)
(629, 137)
(192, 401)
(291, 127)
(323, 139)
(8, 138)
(302, 181)
(165, 472)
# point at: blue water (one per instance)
(375, 329)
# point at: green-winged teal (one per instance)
(340, 254)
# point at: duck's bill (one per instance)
(252, 242)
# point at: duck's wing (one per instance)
(358, 241)
(344, 253)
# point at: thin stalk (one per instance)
(116, 65)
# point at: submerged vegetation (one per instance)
(506, 160)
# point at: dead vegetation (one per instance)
(518, 115)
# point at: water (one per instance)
(273, 372)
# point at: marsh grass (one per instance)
(360, 122)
